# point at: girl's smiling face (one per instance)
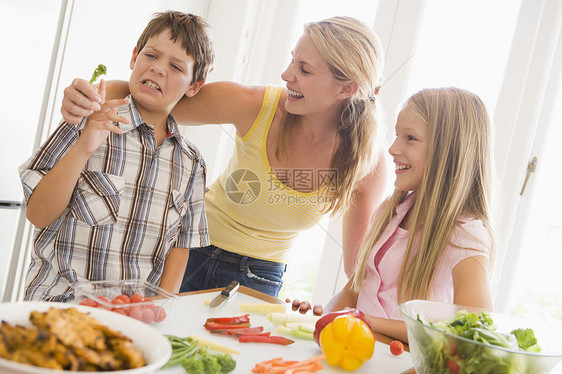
(409, 150)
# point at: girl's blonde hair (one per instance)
(354, 54)
(456, 181)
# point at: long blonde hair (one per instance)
(456, 181)
(354, 53)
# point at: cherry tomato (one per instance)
(159, 314)
(147, 315)
(135, 312)
(120, 311)
(136, 298)
(396, 347)
(117, 302)
(120, 306)
(452, 347)
(103, 299)
(88, 302)
(453, 365)
(124, 298)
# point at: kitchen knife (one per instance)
(225, 294)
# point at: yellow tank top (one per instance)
(249, 211)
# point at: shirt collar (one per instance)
(130, 112)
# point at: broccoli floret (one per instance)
(198, 360)
(100, 70)
(226, 362)
(193, 365)
(211, 364)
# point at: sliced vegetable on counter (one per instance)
(196, 359)
(239, 327)
(265, 339)
(262, 308)
(292, 317)
(210, 326)
(299, 330)
(213, 346)
(345, 339)
(280, 366)
(294, 324)
(243, 331)
(230, 320)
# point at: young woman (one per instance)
(301, 152)
(432, 239)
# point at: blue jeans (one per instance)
(213, 267)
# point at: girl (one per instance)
(304, 151)
(432, 239)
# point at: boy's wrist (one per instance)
(81, 151)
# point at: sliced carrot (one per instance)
(280, 366)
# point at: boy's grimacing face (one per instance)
(162, 74)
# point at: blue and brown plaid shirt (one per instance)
(133, 203)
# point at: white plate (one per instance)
(153, 344)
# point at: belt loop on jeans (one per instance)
(216, 252)
(243, 263)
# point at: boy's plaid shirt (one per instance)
(133, 202)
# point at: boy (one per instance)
(120, 196)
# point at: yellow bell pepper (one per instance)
(347, 342)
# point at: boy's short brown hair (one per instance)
(191, 30)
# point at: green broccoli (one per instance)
(193, 365)
(226, 362)
(198, 360)
(100, 70)
(211, 364)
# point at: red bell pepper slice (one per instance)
(217, 326)
(237, 331)
(230, 320)
(264, 339)
(240, 333)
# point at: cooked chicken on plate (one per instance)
(67, 339)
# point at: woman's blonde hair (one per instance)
(354, 53)
(456, 181)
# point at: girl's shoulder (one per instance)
(471, 233)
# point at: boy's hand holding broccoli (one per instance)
(100, 123)
(85, 98)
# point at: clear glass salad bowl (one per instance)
(434, 350)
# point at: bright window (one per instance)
(538, 276)
(464, 44)
(25, 67)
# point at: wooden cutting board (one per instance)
(188, 315)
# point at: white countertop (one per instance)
(190, 312)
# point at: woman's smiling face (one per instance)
(310, 82)
(409, 150)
